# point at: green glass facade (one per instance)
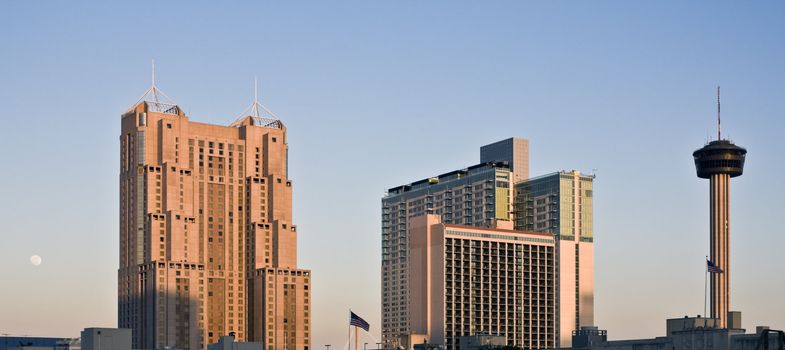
(548, 204)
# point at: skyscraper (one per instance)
(719, 161)
(487, 196)
(477, 196)
(207, 244)
(562, 204)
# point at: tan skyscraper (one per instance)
(207, 244)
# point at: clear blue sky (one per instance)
(378, 94)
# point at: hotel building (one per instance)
(467, 280)
(487, 195)
(476, 196)
(561, 204)
(207, 243)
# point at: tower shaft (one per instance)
(720, 245)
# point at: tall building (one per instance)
(719, 161)
(477, 196)
(488, 195)
(561, 203)
(207, 243)
(467, 280)
(514, 151)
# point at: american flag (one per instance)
(358, 321)
(712, 268)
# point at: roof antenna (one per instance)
(151, 95)
(153, 89)
(261, 115)
(718, 114)
(255, 97)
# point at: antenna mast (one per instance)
(152, 87)
(255, 98)
(718, 114)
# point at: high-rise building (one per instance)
(478, 196)
(561, 204)
(467, 280)
(514, 151)
(488, 196)
(719, 161)
(207, 244)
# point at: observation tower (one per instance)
(719, 161)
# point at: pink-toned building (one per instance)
(207, 243)
(468, 280)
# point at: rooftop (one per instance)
(453, 175)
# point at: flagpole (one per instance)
(356, 339)
(705, 283)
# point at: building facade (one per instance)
(495, 193)
(467, 280)
(561, 204)
(207, 244)
(478, 195)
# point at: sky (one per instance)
(380, 94)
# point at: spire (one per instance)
(256, 103)
(152, 81)
(718, 114)
(259, 113)
(157, 100)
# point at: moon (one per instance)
(35, 260)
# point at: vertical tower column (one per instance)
(720, 245)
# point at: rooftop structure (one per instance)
(514, 151)
(688, 333)
(228, 342)
(106, 339)
(257, 114)
(26, 342)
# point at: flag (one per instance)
(712, 268)
(358, 321)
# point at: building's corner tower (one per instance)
(719, 161)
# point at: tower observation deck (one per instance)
(719, 161)
(719, 157)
